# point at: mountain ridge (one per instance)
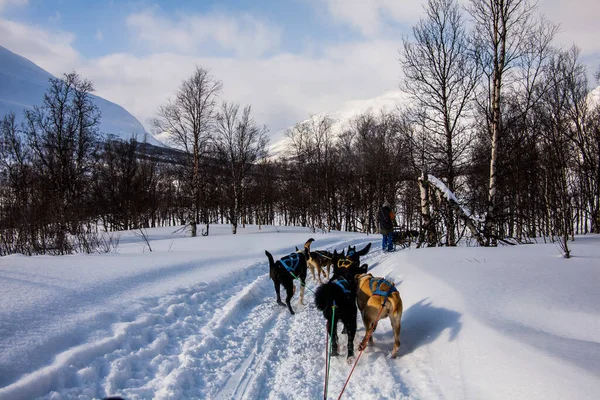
(23, 84)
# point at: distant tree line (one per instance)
(498, 114)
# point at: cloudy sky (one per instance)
(287, 58)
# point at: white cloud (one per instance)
(370, 18)
(55, 19)
(578, 23)
(244, 35)
(53, 51)
(282, 89)
(5, 3)
(578, 19)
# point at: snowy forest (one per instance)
(500, 115)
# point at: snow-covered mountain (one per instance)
(342, 117)
(351, 109)
(23, 83)
(594, 97)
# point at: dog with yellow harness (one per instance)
(378, 298)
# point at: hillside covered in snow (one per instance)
(23, 84)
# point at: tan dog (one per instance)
(371, 295)
(317, 262)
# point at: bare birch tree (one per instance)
(188, 119)
(441, 75)
(63, 136)
(503, 32)
(563, 116)
(240, 142)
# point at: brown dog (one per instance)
(373, 295)
(317, 261)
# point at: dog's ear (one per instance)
(364, 251)
(351, 251)
(335, 257)
(363, 269)
(296, 248)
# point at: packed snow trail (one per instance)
(221, 339)
(197, 319)
(236, 343)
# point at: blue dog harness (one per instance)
(291, 262)
(341, 282)
(378, 292)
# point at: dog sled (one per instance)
(404, 238)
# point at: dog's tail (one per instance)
(307, 244)
(326, 295)
(398, 308)
(270, 257)
(271, 264)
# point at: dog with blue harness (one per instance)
(378, 298)
(337, 300)
(285, 270)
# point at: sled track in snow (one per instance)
(228, 340)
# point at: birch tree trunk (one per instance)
(427, 233)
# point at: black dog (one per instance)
(285, 270)
(337, 300)
(351, 259)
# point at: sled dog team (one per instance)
(349, 289)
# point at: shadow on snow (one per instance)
(423, 323)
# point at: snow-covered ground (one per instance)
(197, 319)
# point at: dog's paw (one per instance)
(281, 303)
(350, 360)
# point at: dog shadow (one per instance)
(371, 266)
(423, 323)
